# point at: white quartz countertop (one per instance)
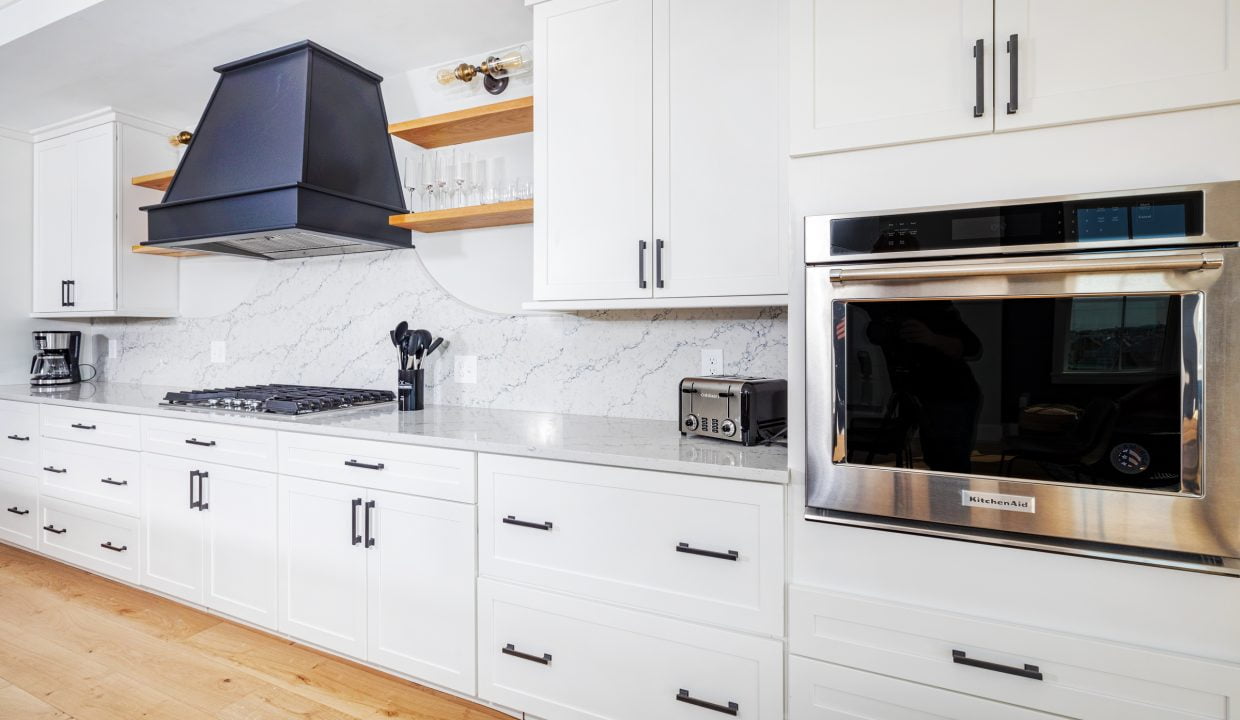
(644, 444)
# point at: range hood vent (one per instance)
(291, 159)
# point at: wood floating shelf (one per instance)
(155, 181)
(511, 117)
(166, 251)
(517, 212)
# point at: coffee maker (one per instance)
(57, 358)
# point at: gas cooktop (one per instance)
(277, 399)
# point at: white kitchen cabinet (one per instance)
(19, 437)
(658, 182)
(19, 509)
(1079, 61)
(86, 218)
(100, 541)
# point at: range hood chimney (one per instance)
(291, 159)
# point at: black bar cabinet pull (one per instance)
(64, 293)
(52, 529)
(979, 55)
(15, 511)
(509, 649)
(370, 539)
(641, 264)
(202, 496)
(61, 471)
(354, 463)
(357, 539)
(1013, 49)
(658, 263)
(729, 555)
(196, 441)
(730, 709)
(1029, 671)
(109, 546)
(80, 426)
(19, 438)
(194, 504)
(110, 481)
(512, 520)
(72, 291)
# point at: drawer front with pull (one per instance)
(701, 548)
(557, 656)
(395, 467)
(1047, 671)
(210, 442)
(19, 437)
(100, 541)
(101, 477)
(19, 511)
(98, 427)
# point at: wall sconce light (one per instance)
(495, 70)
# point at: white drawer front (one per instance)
(102, 477)
(409, 469)
(19, 509)
(705, 549)
(1080, 677)
(19, 437)
(822, 691)
(98, 427)
(97, 540)
(210, 442)
(615, 664)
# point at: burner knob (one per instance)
(727, 427)
(691, 422)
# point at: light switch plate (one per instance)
(113, 349)
(712, 361)
(218, 351)
(466, 369)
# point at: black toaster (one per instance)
(747, 410)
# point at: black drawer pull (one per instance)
(354, 463)
(19, 438)
(730, 709)
(370, 539)
(49, 468)
(510, 650)
(357, 539)
(729, 555)
(80, 426)
(512, 520)
(979, 70)
(52, 529)
(15, 511)
(1013, 49)
(109, 546)
(1029, 671)
(196, 441)
(110, 481)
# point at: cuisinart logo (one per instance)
(996, 501)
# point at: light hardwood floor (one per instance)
(74, 645)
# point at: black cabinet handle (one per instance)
(72, 292)
(194, 504)
(196, 441)
(52, 529)
(1029, 671)
(641, 264)
(510, 650)
(15, 511)
(512, 520)
(979, 55)
(64, 293)
(110, 481)
(370, 539)
(729, 555)
(1013, 49)
(202, 495)
(19, 438)
(356, 464)
(730, 709)
(109, 546)
(61, 471)
(80, 426)
(357, 539)
(658, 263)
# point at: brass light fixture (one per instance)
(496, 69)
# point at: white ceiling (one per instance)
(153, 58)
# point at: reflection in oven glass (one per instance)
(1073, 389)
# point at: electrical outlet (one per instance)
(712, 361)
(114, 350)
(466, 369)
(218, 351)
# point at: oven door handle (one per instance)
(1182, 263)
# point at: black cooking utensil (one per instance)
(434, 345)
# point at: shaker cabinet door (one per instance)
(239, 554)
(171, 528)
(94, 222)
(54, 162)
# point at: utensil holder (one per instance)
(411, 389)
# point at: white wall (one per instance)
(15, 233)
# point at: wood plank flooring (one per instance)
(74, 646)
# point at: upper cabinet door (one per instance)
(54, 163)
(94, 221)
(1079, 61)
(879, 73)
(592, 149)
(719, 148)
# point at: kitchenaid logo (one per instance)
(996, 501)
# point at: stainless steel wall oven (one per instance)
(1054, 373)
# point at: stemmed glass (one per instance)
(464, 169)
(442, 171)
(427, 181)
(480, 182)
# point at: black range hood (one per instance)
(291, 159)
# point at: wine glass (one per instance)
(464, 168)
(427, 181)
(442, 171)
(480, 182)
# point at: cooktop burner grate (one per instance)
(278, 399)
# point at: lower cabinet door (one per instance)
(420, 571)
(19, 511)
(823, 691)
(240, 564)
(323, 564)
(171, 527)
(559, 657)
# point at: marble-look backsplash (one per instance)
(325, 321)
